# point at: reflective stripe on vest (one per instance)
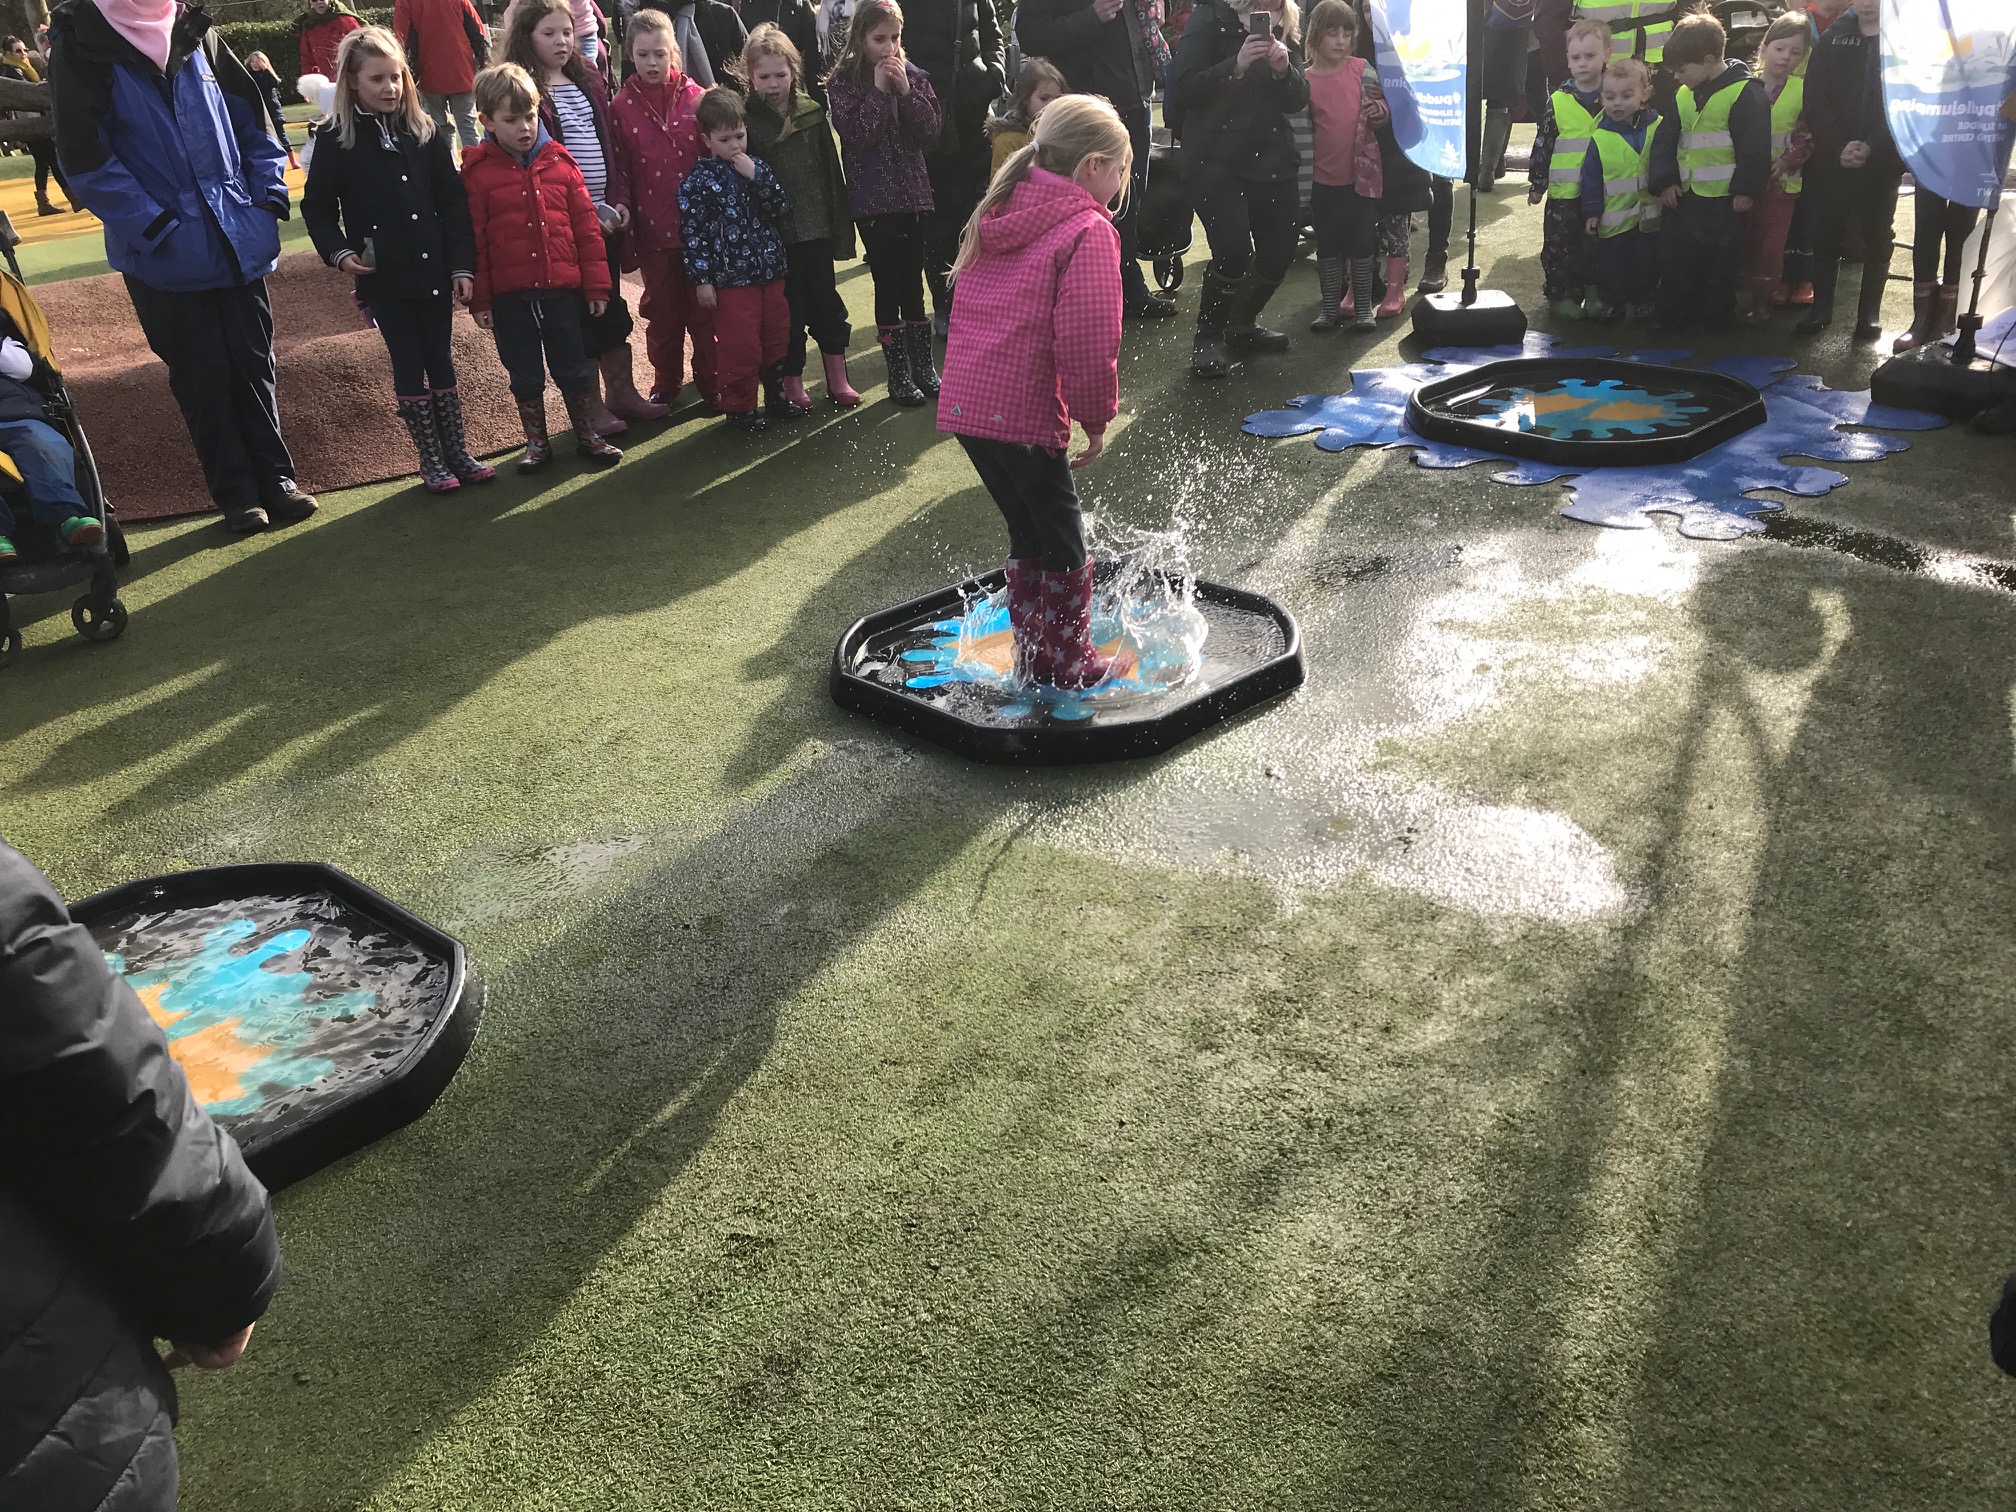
(1626, 170)
(1707, 150)
(1638, 28)
(1785, 113)
(1575, 123)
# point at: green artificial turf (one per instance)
(1556, 1060)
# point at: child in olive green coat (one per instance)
(788, 130)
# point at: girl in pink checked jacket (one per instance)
(1035, 345)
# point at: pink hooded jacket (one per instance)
(1035, 338)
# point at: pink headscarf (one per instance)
(144, 23)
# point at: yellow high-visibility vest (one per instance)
(1785, 111)
(1628, 203)
(1707, 149)
(1574, 123)
(1638, 28)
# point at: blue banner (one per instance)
(1422, 48)
(1947, 67)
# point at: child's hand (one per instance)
(703, 296)
(1534, 196)
(482, 319)
(891, 77)
(597, 306)
(1741, 203)
(743, 164)
(1671, 198)
(352, 264)
(1589, 226)
(622, 217)
(1106, 10)
(1095, 443)
(1855, 154)
(464, 289)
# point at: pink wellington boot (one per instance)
(1075, 664)
(1396, 288)
(1025, 616)
(793, 385)
(838, 389)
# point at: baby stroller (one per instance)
(1162, 229)
(44, 566)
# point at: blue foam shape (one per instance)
(1709, 494)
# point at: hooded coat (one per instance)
(534, 223)
(1036, 320)
(179, 164)
(959, 44)
(1749, 133)
(807, 165)
(650, 152)
(322, 35)
(126, 1215)
(885, 137)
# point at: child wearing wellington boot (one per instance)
(887, 118)
(384, 204)
(788, 131)
(1036, 310)
(541, 266)
(1555, 177)
(729, 208)
(1621, 214)
(1346, 109)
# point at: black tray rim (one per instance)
(1061, 745)
(398, 1097)
(1638, 451)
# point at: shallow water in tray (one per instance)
(277, 1006)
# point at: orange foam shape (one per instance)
(214, 1059)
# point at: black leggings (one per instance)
(611, 329)
(1251, 224)
(894, 247)
(1347, 223)
(1844, 197)
(1032, 487)
(47, 166)
(816, 305)
(420, 335)
(1936, 221)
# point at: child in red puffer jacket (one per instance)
(1035, 344)
(540, 262)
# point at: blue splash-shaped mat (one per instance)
(1708, 493)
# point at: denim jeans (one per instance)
(48, 467)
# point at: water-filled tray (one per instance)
(311, 1015)
(1586, 411)
(941, 666)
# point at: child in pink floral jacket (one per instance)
(1035, 344)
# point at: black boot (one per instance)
(1497, 128)
(1434, 274)
(434, 471)
(895, 352)
(1826, 271)
(1242, 327)
(917, 346)
(454, 443)
(1869, 301)
(1207, 349)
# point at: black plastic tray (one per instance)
(404, 1089)
(1040, 740)
(1734, 407)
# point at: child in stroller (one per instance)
(43, 457)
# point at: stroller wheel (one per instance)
(1169, 272)
(10, 646)
(96, 624)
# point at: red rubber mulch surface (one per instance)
(335, 390)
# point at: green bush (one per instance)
(281, 42)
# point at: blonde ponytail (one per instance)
(1069, 131)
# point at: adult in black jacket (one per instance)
(1852, 176)
(392, 187)
(1230, 95)
(1101, 47)
(126, 1215)
(959, 44)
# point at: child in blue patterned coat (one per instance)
(729, 208)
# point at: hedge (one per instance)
(281, 41)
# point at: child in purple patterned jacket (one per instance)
(886, 116)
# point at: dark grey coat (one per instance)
(126, 1215)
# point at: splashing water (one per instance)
(275, 1006)
(1144, 609)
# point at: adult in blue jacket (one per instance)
(126, 1215)
(166, 140)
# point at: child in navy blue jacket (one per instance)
(729, 209)
(1620, 212)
